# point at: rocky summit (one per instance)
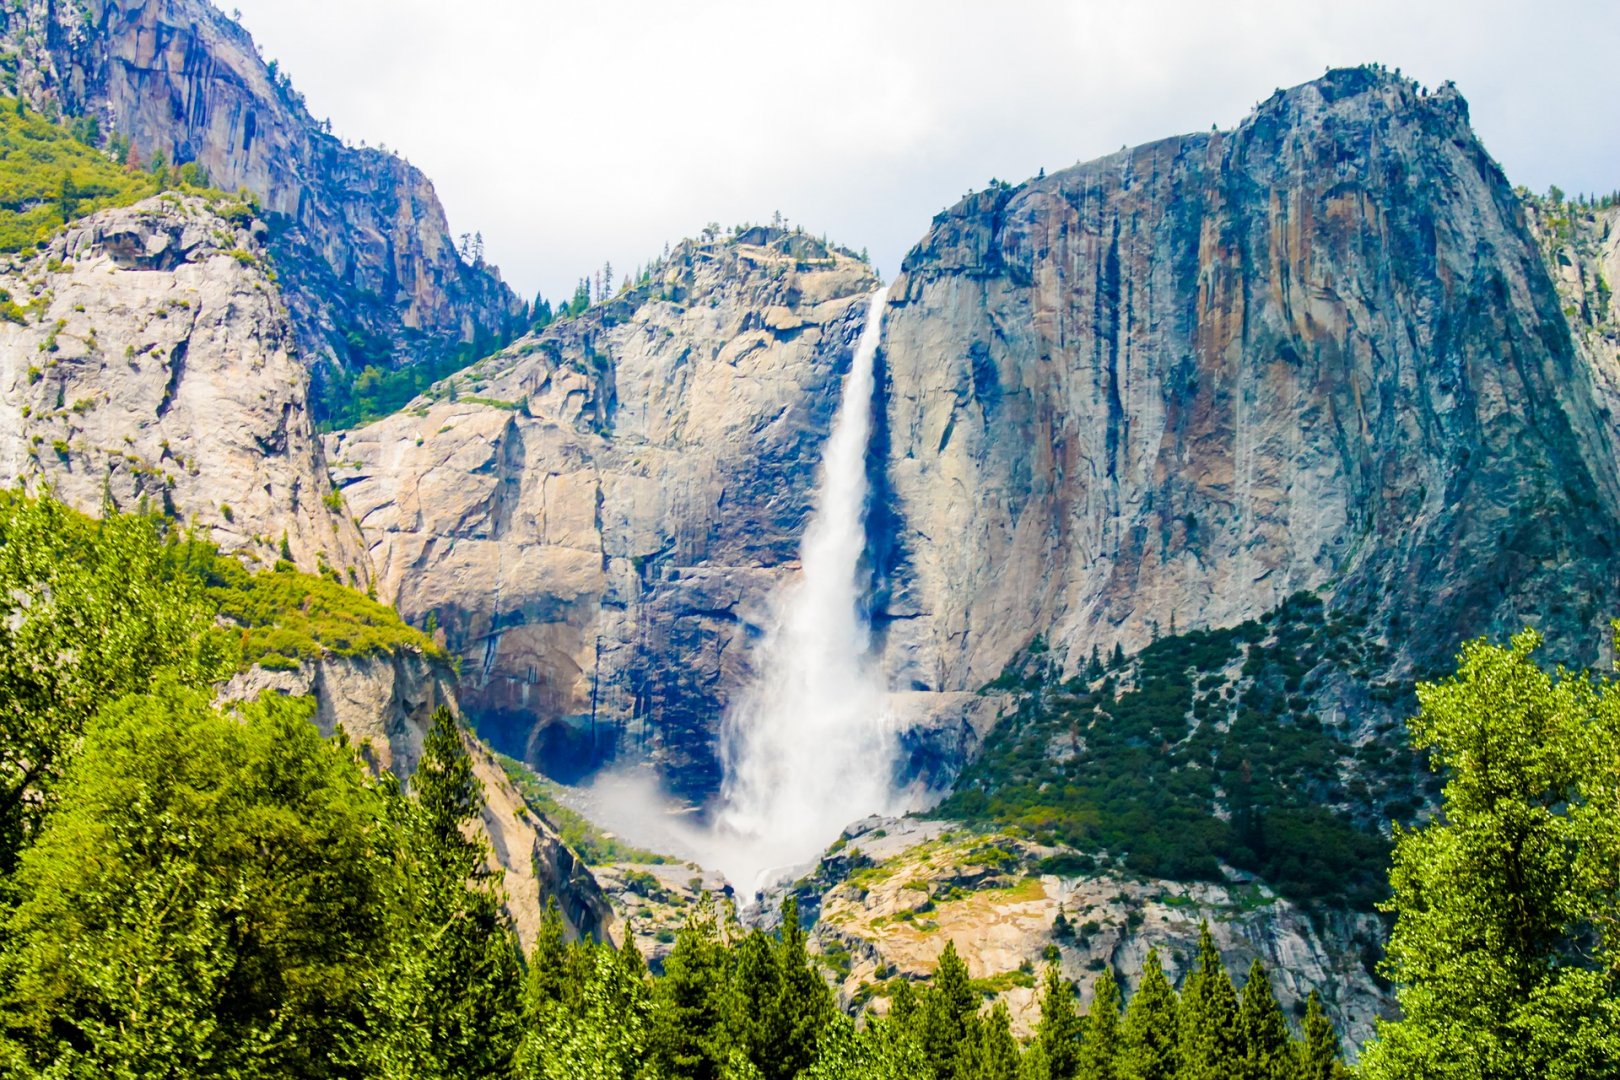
(372, 275)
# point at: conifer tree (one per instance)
(1150, 1035)
(993, 1055)
(1267, 1051)
(1058, 1033)
(1100, 1034)
(1208, 1044)
(1319, 1052)
(947, 1013)
(688, 1035)
(803, 1005)
(756, 984)
(548, 961)
(472, 981)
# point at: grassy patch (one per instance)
(284, 616)
(51, 174)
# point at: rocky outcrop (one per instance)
(369, 265)
(901, 889)
(1178, 384)
(155, 367)
(593, 517)
(385, 703)
(1581, 245)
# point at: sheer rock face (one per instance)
(158, 369)
(360, 237)
(1173, 386)
(595, 519)
(1159, 391)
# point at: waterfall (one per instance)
(808, 747)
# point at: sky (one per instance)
(573, 134)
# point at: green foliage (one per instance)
(1214, 720)
(1266, 1052)
(453, 983)
(947, 1015)
(1100, 1042)
(1319, 1057)
(1058, 1033)
(1150, 1037)
(1209, 1046)
(88, 614)
(284, 616)
(1506, 945)
(204, 900)
(51, 174)
(371, 383)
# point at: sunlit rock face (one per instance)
(1171, 387)
(595, 520)
(1159, 391)
(159, 372)
(362, 244)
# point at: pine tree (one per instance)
(1150, 1035)
(946, 1015)
(689, 1033)
(1319, 1052)
(803, 1005)
(472, 982)
(1100, 1034)
(1094, 667)
(1208, 1044)
(1118, 659)
(756, 984)
(993, 1055)
(1058, 1033)
(548, 962)
(1267, 1052)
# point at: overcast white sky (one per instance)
(573, 133)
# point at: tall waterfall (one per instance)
(808, 748)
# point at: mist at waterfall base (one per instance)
(808, 747)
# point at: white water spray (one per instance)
(809, 748)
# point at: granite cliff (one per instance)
(153, 368)
(1177, 385)
(371, 272)
(156, 368)
(592, 516)
(1168, 389)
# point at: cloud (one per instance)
(573, 134)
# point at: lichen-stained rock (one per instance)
(593, 516)
(1319, 351)
(895, 891)
(155, 367)
(360, 237)
(1581, 245)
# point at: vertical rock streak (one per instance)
(808, 747)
